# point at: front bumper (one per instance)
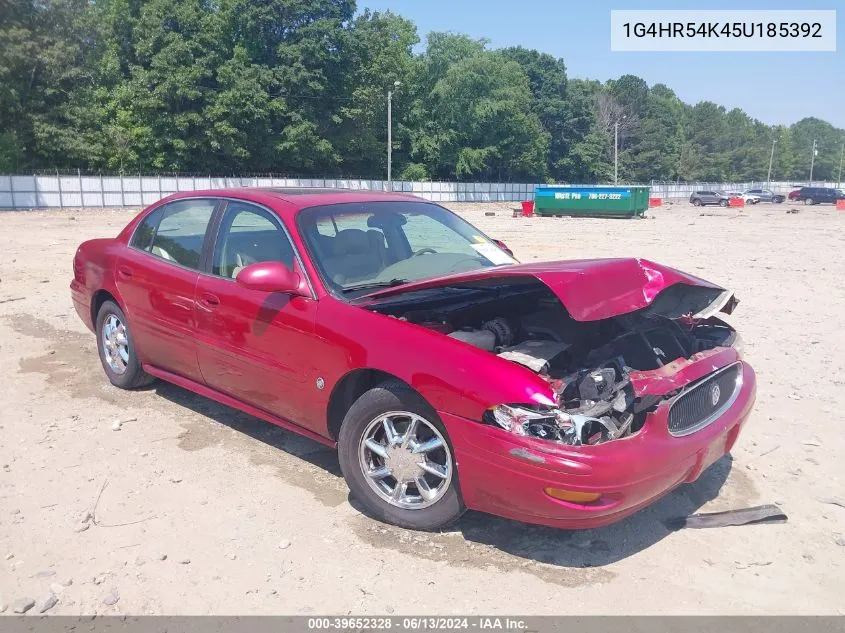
(504, 474)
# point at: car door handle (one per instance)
(124, 272)
(209, 299)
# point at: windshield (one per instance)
(359, 247)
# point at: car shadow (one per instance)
(598, 546)
(564, 548)
(256, 428)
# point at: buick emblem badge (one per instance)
(715, 394)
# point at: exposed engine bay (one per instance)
(587, 363)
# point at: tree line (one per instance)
(299, 87)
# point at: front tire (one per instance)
(723, 203)
(117, 349)
(808, 201)
(397, 459)
(696, 202)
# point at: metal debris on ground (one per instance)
(745, 516)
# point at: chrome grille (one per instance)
(705, 401)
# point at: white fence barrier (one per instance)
(30, 191)
(26, 192)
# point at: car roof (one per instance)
(296, 198)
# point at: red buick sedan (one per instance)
(448, 375)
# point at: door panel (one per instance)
(157, 276)
(159, 302)
(256, 346)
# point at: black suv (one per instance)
(700, 198)
(815, 195)
(766, 195)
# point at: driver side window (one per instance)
(424, 232)
(249, 235)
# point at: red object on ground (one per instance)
(260, 344)
(737, 202)
(840, 204)
(655, 202)
(528, 208)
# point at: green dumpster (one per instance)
(616, 202)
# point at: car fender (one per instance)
(451, 375)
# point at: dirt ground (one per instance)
(200, 509)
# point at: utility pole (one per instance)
(396, 84)
(841, 154)
(771, 159)
(616, 151)
(812, 162)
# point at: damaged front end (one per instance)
(607, 374)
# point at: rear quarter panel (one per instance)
(93, 271)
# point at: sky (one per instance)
(776, 88)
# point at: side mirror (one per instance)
(269, 277)
(504, 247)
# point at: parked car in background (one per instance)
(702, 198)
(447, 374)
(817, 195)
(765, 195)
(747, 198)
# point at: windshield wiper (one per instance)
(374, 285)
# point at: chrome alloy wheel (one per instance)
(115, 344)
(405, 460)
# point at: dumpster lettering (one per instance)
(602, 201)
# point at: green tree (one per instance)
(45, 82)
(486, 129)
(587, 160)
(547, 78)
(828, 144)
(378, 53)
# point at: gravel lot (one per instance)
(199, 509)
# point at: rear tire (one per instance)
(723, 203)
(809, 201)
(696, 202)
(117, 349)
(363, 426)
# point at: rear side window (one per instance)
(146, 231)
(176, 231)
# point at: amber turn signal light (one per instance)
(573, 496)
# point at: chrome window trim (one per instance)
(718, 412)
(218, 199)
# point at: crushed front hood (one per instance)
(595, 289)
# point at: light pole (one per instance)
(812, 162)
(616, 151)
(771, 159)
(841, 154)
(396, 84)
